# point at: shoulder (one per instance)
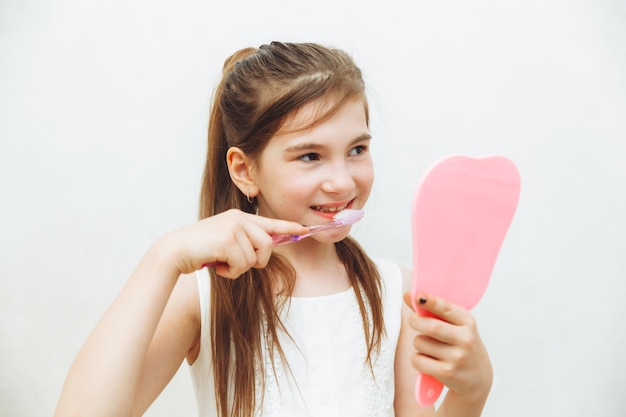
(392, 274)
(400, 273)
(393, 288)
(387, 268)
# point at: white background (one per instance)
(103, 114)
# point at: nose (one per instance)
(338, 179)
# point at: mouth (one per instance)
(326, 209)
(332, 209)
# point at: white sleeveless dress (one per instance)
(327, 374)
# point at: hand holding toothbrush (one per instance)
(345, 217)
(234, 240)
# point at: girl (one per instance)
(314, 328)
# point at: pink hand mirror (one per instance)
(461, 213)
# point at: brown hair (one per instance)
(259, 89)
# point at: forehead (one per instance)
(317, 112)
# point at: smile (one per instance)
(324, 209)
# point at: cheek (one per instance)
(292, 185)
(365, 175)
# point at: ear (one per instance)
(241, 169)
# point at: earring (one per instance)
(248, 196)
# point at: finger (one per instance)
(440, 308)
(408, 300)
(279, 227)
(237, 254)
(250, 242)
(426, 364)
(253, 246)
(261, 243)
(431, 347)
(434, 328)
(261, 235)
(247, 245)
(235, 262)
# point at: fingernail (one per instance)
(422, 300)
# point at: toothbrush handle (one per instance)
(427, 390)
(282, 239)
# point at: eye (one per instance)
(357, 150)
(309, 157)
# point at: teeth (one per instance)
(329, 209)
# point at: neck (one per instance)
(318, 268)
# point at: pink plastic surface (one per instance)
(461, 213)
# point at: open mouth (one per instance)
(328, 209)
(325, 209)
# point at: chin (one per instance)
(332, 239)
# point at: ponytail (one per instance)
(218, 193)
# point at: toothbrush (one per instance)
(345, 217)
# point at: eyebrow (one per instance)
(306, 146)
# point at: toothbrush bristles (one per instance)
(349, 216)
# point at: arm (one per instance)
(449, 349)
(134, 351)
(177, 336)
(139, 343)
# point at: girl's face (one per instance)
(308, 175)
